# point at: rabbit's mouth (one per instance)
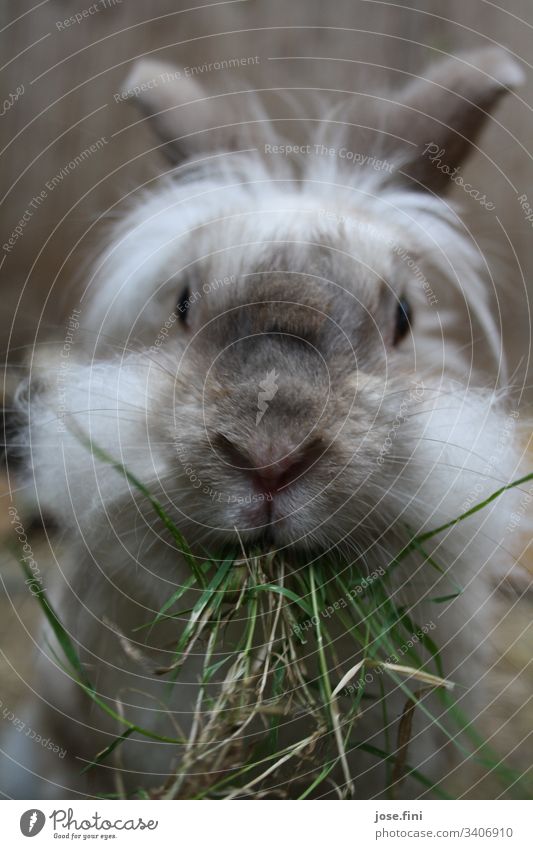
(277, 519)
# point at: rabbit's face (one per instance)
(283, 384)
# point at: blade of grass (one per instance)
(101, 756)
(477, 507)
(178, 537)
(416, 774)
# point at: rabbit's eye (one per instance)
(404, 317)
(182, 307)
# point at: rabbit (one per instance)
(273, 342)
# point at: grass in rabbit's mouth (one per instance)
(277, 710)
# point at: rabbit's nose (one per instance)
(271, 476)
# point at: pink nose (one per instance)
(267, 475)
(273, 478)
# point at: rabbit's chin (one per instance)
(308, 518)
(262, 526)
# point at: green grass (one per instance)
(280, 665)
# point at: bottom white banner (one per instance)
(241, 824)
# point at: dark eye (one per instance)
(404, 317)
(182, 307)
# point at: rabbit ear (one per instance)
(181, 113)
(443, 112)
